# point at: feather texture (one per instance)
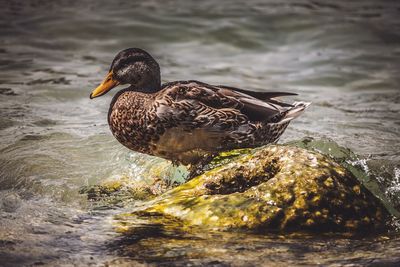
(186, 120)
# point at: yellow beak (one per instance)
(108, 84)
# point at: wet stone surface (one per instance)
(273, 188)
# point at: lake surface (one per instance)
(343, 56)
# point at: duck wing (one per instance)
(194, 116)
(258, 95)
(256, 106)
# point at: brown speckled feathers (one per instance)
(184, 121)
(188, 119)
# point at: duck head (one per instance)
(132, 66)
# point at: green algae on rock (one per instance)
(159, 177)
(273, 188)
(361, 168)
(123, 189)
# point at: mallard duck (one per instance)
(185, 121)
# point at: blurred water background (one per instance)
(343, 56)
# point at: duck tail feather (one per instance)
(297, 110)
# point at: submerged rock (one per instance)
(272, 188)
(123, 189)
(154, 177)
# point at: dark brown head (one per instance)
(132, 66)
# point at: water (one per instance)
(344, 57)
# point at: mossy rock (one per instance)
(273, 188)
(123, 190)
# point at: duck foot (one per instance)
(201, 166)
